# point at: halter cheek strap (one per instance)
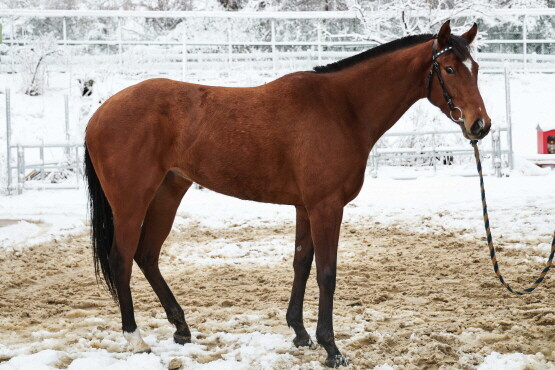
(437, 71)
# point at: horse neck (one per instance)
(381, 89)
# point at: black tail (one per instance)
(102, 223)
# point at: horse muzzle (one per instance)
(478, 130)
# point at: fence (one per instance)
(437, 154)
(177, 55)
(56, 168)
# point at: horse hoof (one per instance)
(303, 342)
(136, 342)
(181, 339)
(336, 361)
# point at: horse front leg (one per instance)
(302, 263)
(325, 223)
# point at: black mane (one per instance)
(460, 48)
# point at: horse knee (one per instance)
(302, 263)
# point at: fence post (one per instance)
(496, 151)
(12, 37)
(374, 170)
(64, 29)
(434, 159)
(493, 147)
(77, 169)
(20, 169)
(66, 114)
(41, 151)
(8, 138)
(508, 115)
(273, 40)
(497, 135)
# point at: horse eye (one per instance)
(450, 70)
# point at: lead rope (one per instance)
(490, 240)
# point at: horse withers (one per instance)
(302, 140)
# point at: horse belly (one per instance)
(243, 172)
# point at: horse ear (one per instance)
(444, 34)
(470, 35)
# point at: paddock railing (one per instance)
(41, 165)
(436, 153)
(64, 172)
(228, 48)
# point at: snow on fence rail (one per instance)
(179, 53)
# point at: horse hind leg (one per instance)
(129, 205)
(127, 230)
(156, 227)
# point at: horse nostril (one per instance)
(477, 127)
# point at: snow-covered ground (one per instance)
(520, 211)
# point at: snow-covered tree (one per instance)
(33, 59)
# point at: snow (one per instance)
(547, 126)
(525, 167)
(515, 361)
(36, 361)
(251, 350)
(38, 216)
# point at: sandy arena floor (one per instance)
(404, 299)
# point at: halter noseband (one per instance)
(435, 69)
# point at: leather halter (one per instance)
(437, 71)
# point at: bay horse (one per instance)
(301, 140)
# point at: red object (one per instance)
(543, 137)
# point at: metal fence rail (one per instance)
(436, 153)
(69, 159)
(178, 55)
(71, 164)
